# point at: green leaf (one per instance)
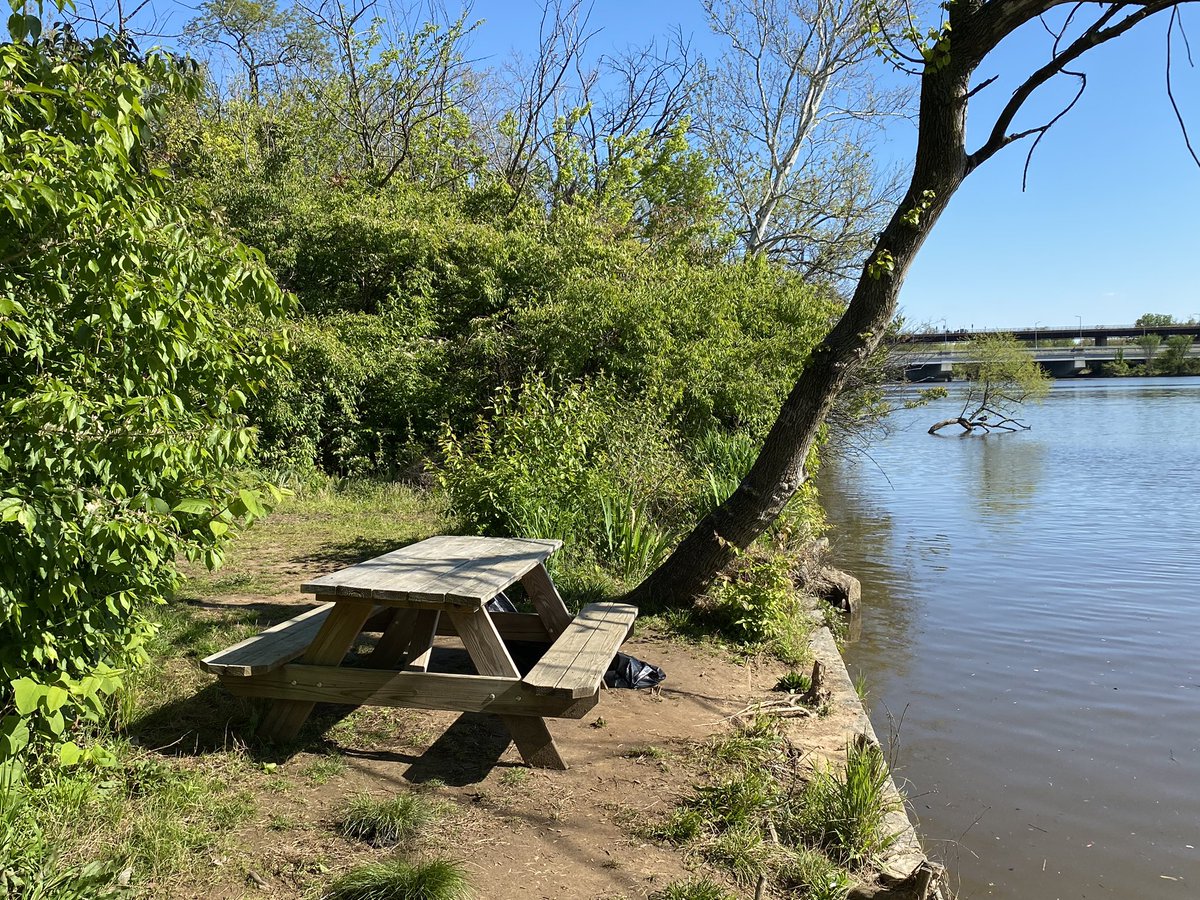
(70, 753)
(56, 723)
(217, 527)
(193, 506)
(55, 697)
(14, 736)
(26, 694)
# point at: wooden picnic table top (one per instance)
(447, 570)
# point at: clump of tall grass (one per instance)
(29, 864)
(692, 889)
(632, 543)
(387, 822)
(844, 812)
(398, 879)
(811, 875)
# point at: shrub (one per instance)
(528, 469)
(758, 600)
(131, 334)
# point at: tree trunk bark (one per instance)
(778, 472)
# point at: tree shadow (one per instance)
(348, 553)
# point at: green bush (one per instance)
(528, 469)
(131, 335)
(758, 600)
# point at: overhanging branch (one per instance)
(1099, 32)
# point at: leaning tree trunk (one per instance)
(778, 472)
(974, 29)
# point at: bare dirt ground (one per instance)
(521, 833)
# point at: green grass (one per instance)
(398, 879)
(386, 822)
(754, 743)
(793, 683)
(325, 767)
(692, 889)
(810, 875)
(156, 817)
(844, 811)
(514, 778)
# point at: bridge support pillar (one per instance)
(1101, 340)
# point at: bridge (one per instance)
(937, 364)
(1097, 334)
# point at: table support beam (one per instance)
(285, 718)
(491, 657)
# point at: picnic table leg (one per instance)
(487, 651)
(407, 642)
(546, 601)
(286, 717)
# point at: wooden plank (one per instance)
(545, 598)
(451, 570)
(420, 648)
(512, 627)
(285, 718)
(487, 651)
(271, 649)
(389, 652)
(416, 690)
(479, 635)
(577, 661)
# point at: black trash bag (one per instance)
(500, 603)
(630, 672)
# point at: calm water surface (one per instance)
(1032, 611)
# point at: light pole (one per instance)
(1080, 319)
(1035, 328)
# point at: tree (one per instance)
(1003, 377)
(1176, 359)
(263, 39)
(1147, 320)
(400, 90)
(786, 115)
(131, 334)
(946, 57)
(1149, 344)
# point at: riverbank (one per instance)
(192, 807)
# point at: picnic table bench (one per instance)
(440, 586)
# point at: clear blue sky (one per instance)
(1106, 230)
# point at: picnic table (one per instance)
(440, 586)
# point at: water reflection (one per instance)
(1011, 467)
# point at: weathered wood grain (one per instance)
(285, 718)
(491, 657)
(578, 659)
(416, 690)
(271, 649)
(447, 570)
(512, 627)
(544, 596)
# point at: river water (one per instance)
(1032, 622)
